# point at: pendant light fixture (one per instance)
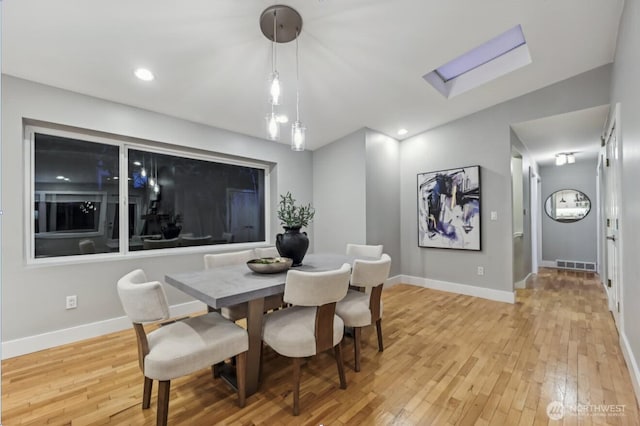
(298, 130)
(282, 24)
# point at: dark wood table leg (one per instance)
(254, 328)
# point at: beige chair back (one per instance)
(142, 300)
(189, 240)
(361, 250)
(226, 259)
(87, 246)
(267, 252)
(370, 273)
(316, 288)
(158, 244)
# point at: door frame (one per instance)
(614, 294)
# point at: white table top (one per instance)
(231, 285)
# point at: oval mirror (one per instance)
(567, 205)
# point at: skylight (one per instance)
(482, 54)
(490, 60)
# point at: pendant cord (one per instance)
(297, 79)
(273, 43)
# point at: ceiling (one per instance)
(361, 61)
(578, 132)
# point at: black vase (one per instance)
(292, 244)
(171, 230)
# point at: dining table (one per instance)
(236, 284)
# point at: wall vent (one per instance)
(576, 265)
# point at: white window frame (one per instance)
(125, 145)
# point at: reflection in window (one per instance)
(72, 181)
(173, 200)
(187, 202)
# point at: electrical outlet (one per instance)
(480, 270)
(494, 215)
(72, 302)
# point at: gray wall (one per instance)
(626, 90)
(339, 194)
(577, 240)
(484, 139)
(383, 195)
(355, 190)
(33, 297)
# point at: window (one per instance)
(175, 198)
(71, 182)
(187, 201)
(494, 58)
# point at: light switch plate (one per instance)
(494, 215)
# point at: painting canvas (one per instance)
(449, 209)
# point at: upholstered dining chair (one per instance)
(267, 252)
(149, 244)
(363, 250)
(87, 246)
(237, 312)
(179, 348)
(310, 326)
(189, 240)
(360, 309)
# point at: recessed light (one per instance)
(144, 74)
(60, 177)
(402, 132)
(137, 163)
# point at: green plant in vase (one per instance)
(293, 243)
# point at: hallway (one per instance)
(448, 359)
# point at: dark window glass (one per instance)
(185, 202)
(74, 182)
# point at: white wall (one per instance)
(33, 296)
(576, 240)
(339, 194)
(484, 139)
(626, 90)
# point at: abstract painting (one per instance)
(449, 209)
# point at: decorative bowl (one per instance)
(270, 265)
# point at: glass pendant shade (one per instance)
(298, 136)
(561, 159)
(571, 158)
(143, 172)
(275, 89)
(273, 127)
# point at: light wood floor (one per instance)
(449, 359)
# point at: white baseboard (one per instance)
(469, 290)
(523, 283)
(632, 365)
(391, 281)
(25, 345)
(548, 264)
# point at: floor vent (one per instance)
(576, 265)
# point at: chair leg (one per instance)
(357, 331)
(163, 402)
(241, 376)
(340, 362)
(215, 369)
(379, 330)
(296, 385)
(146, 394)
